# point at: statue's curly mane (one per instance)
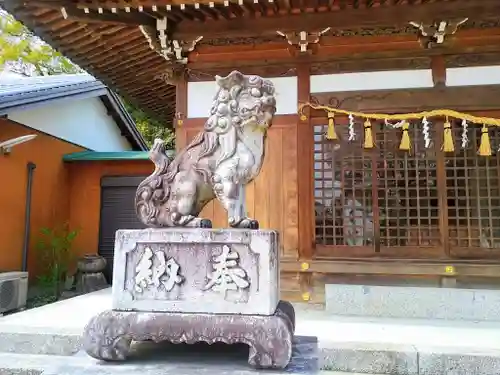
(221, 129)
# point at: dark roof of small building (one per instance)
(27, 92)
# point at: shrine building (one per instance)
(358, 196)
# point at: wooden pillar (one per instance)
(438, 66)
(180, 111)
(305, 171)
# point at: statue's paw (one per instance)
(253, 224)
(244, 223)
(205, 223)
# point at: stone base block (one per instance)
(409, 302)
(214, 271)
(90, 282)
(108, 336)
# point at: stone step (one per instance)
(36, 364)
(402, 346)
(412, 302)
(340, 356)
(399, 360)
(152, 359)
(39, 343)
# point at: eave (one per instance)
(103, 37)
(117, 55)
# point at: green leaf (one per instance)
(71, 235)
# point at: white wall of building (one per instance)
(403, 79)
(473, 76)
(200, 96)
(84, 122)
(385, 80)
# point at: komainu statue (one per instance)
(225, 156)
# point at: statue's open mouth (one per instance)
(259, 123)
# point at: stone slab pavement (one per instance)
(346, 344)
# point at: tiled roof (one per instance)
(22, 92)
(10, 85)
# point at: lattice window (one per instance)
(407, 189)
(393, 197)
(473, 192)
(343, 190)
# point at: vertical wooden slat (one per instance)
(375, 203)
(490, 206)
(250, 199)
(442, 190)
(468, 200)
(220, 215)
(305, 162)
(262, 185)
(407, 219)
(275, 180)
(290, 235)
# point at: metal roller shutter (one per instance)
(117, 212)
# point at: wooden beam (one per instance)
(125, 4)
(465, 98)
(76, 13)
(394, 267)
(399, 15)
(388, 57)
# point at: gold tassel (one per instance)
(405, 139)
(331, 134)
(448, 143)
(368, 134)
(485, 147)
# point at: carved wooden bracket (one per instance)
(432, 35)
(174, 74)
(303, 39)
(170, 49)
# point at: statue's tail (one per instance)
(155, 189)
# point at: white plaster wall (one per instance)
(397, 79)
(84, 122)
(473, 76)
(200, 96)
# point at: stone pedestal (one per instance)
(229, 271)
(189, 285)
(108, 335)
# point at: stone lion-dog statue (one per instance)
(225, 156)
